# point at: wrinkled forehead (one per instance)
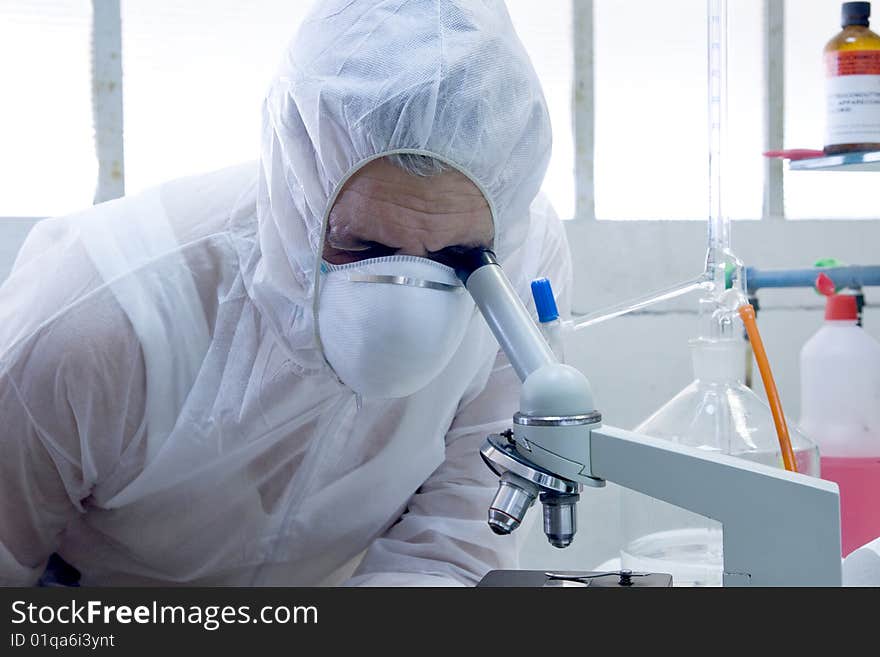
(421, 186)
(413, 206)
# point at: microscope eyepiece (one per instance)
(470, 261)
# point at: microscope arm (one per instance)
(779, 528)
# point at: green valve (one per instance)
(729, 269)
(828, 262)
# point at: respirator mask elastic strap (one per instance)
(404, 280)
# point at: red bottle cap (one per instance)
(841, 307)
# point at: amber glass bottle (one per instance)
(852, 84)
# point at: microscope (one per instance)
(779, 528)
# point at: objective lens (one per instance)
(560, 519)
(514, 497)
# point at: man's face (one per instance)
(384, 210)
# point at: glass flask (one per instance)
(716, 413)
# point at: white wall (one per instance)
(12, 234)
(637, 363)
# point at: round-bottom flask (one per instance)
(717, 413)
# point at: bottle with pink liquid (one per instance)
(840, 412)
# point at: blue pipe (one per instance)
(854, 276)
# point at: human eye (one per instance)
(371, 250)
(450, 256)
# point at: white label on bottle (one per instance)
(853, 113)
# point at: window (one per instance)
(195, 73)
(47, 156)
(547, 37)
(650, 111)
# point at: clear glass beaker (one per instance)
(717, 413)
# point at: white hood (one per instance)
(367, 78)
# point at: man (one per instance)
(220, 381)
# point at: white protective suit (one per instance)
(167, 414)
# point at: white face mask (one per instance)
(388, 326)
